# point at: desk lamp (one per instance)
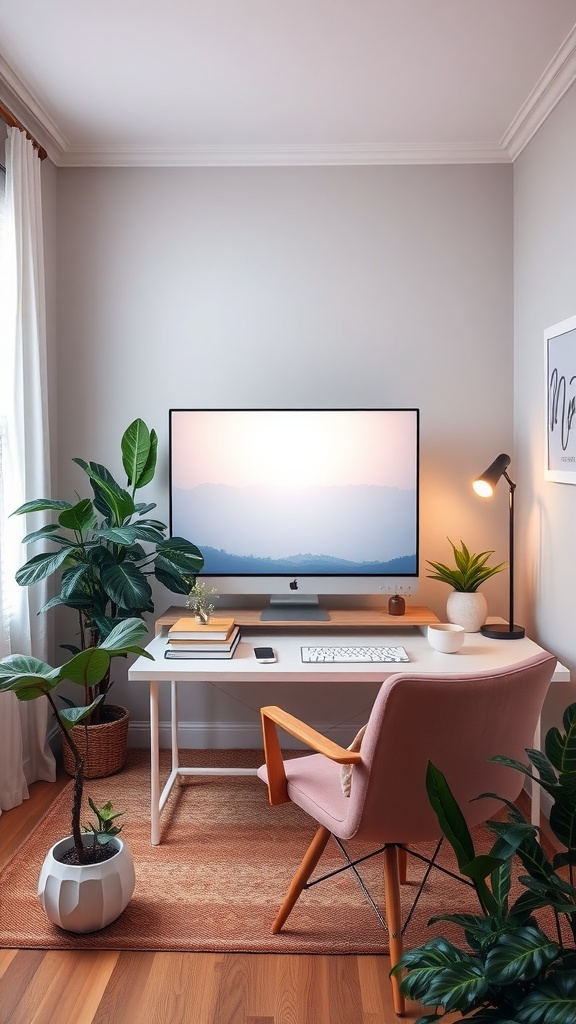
(484, 486)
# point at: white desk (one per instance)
(477, 654)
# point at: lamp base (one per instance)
(502, 631)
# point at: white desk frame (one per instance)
(477, 654)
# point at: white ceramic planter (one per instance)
(467, 610)
(86, 897)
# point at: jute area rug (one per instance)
(217, 879)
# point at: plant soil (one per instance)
(94, 854)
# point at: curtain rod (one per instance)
(13, 122)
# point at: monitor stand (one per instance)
(294, 608)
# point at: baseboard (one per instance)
(545, 799)
(222, 735)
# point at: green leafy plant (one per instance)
(511, 972)
(30, 678)
(104, 829)
(469, 570)
(106, 547)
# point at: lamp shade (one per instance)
(484, 485)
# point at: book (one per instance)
(186, 628)
(204, 645)
(190, 653)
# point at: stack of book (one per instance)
(217, 638)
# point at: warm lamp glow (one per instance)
(483, 489)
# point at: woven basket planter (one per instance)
(102, 746)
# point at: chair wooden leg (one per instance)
(402, 864)
(394, 921)
(309, 862)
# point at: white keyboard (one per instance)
(353, 654)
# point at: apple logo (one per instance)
(294, 585)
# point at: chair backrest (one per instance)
(456, 721)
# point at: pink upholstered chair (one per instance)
(456, 721)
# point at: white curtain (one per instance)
(25, 755)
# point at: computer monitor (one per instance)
(294, 504)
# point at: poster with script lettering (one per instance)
(560, 440)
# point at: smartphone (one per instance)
(264, 654)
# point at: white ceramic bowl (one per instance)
(446, 637)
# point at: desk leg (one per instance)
(174, 725)
(535, 788)
(154, 766)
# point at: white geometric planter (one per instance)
(85, 897)
(467, 610)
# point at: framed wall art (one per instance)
(560, 368)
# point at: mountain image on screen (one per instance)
(269, 530)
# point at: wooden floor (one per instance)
(39, 987)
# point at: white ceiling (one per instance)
(207, 82)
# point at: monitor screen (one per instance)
(295, 503)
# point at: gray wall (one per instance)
(544, 294)
(291, 287)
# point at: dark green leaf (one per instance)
(500, 881)
(563, 818)
(182, 555)
(27, 677)
(88, 667)
(41, 505)
(69, 717)
(458, 987)
(45, 533)
(143, 507)
(534, 859)
(73, 578)
(127, 586)
(130, 533)
(135, 447)
(542, 765)
(40, 566)
(126, 637)
(561, 860)
(79, 518)
(110, 499)
(450, 817)
(521, 954)
(561, 748)
(139, 452)
(170, 577)
(553, 1002)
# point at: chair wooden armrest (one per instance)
(273, 716)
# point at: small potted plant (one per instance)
(102, 873)
(466, 605)
(200, 601)
(105, 549)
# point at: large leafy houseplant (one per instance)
(105, 548)
(30, 678)
(512, 971)
(469, 570)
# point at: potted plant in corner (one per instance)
(511, 970)
(466, 605)
(87, 878)
(104, 549)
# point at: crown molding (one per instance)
(558, 77)
(26, 108)
(278, 156)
